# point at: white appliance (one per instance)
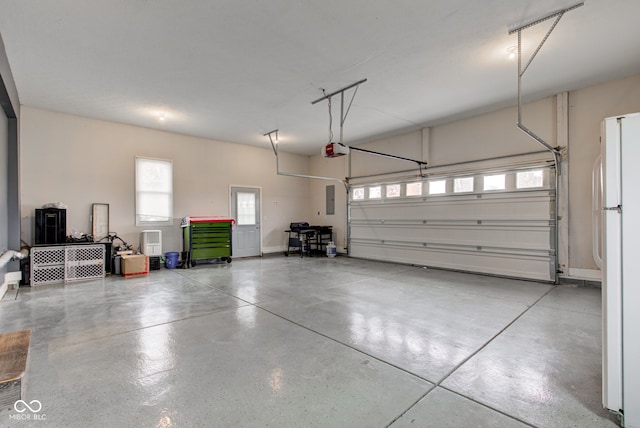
(151, 242)
(620, 220)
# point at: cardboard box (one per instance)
(134, 264)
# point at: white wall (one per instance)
(79, 161)
(587, 108)
(406, 145)
(495, 134)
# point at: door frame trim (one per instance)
(259, 189)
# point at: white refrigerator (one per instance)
(620, 216)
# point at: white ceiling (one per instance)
(232, 70)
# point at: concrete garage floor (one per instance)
(291, 342)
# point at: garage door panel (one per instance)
(512, 265)
(480, 209)
(504, 237)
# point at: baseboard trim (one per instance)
(584, 274)
(10, 278)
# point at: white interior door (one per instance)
(245, 209)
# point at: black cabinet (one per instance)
(51, 226)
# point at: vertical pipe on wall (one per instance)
(348, 207)
(562, 139)
(425, 135)
(348, 229)
(348, 225)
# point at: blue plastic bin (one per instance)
(172, 260)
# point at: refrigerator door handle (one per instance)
(616, 208)
(596, 216)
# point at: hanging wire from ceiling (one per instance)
(330, 117)
(344, 117)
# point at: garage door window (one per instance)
(464, 184)
(393, 191)
(437, 187)
(414, 189)
(375, 192)
(494, 182)
(529, 179)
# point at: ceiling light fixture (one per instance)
(512, 52)
(161, 118)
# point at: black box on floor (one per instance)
(25, 268)
(154, 263)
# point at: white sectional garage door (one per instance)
(493, 221)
